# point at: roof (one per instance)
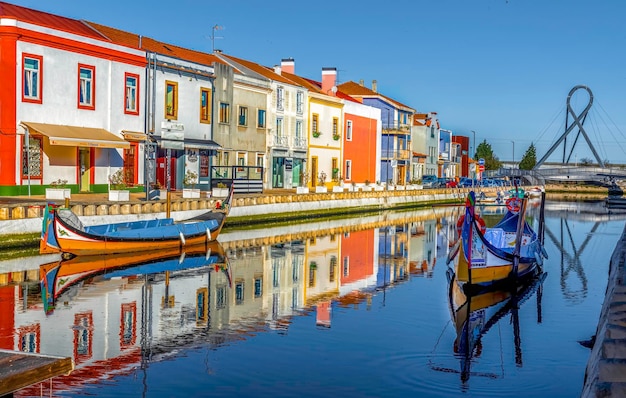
(45, 19)
(259, 69)
(147, 44)
(356, 90)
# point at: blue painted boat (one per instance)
(62, 231)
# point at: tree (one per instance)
(529, 160)
(484, 151)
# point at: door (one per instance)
(84, 164)
(313, 171)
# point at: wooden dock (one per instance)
(20, 369)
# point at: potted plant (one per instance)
(58, 190)
(316, 134)
(367, 187)
(117, 186)
(321, 183)
(336, 137)
(220, 191)
(304, 182)
(189, 182)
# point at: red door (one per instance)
(161, 176)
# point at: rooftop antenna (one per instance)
(213, 37)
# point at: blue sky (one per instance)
(502, 68)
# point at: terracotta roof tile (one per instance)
(147, 44)
(45, 19)
(356, 90)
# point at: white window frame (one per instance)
(349, 130)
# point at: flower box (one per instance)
(116, 195)
(366, 188)
(321, 189)
(220, 192)
(337, 188)
(379, 188)
(192, 193)
(302, 190)
(58, 193)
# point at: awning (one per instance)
(77, 136)
(187, 143)
(134, 135)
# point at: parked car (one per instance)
(428, 181)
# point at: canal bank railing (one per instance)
(20, 218)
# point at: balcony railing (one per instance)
(401, 128)
(299, 142)
(400, 154)
(280, 140)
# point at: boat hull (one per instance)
(63, 232)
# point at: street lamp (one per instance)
(473, 155)
(474, 144)
(513, 153)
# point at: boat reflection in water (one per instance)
(474, 315)
(60, 277)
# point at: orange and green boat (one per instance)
(63, 232)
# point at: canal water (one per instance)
(358, 307)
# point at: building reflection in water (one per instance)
(115, 315)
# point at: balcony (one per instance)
(396, 128)
(398, 154)
(279, 141)
(299, 142)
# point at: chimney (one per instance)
(361, 83)
(329, 81)
(288, 65)
(277, 69)
(374, 86)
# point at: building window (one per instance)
(280, 98)
(261, 119)
(335, 127)
(31, 158)
(242, 120)
(346, 266)
(220, 297)
(204, 163)
(258, 287)
(33, 78)
(348, 175)
(279, 127)
(239, 292)
(205, 105)
(86, 87)
(241, 158)
(315, 123)
(333, 268)
(131, 96)
(349, 130)
(224, 112)
(300, 102)
(171, 100)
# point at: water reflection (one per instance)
(474, 315)
(117, 315)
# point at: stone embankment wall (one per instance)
(27, 217)
(606, 369)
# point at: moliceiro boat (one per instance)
(487, 258)
(63, 232)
